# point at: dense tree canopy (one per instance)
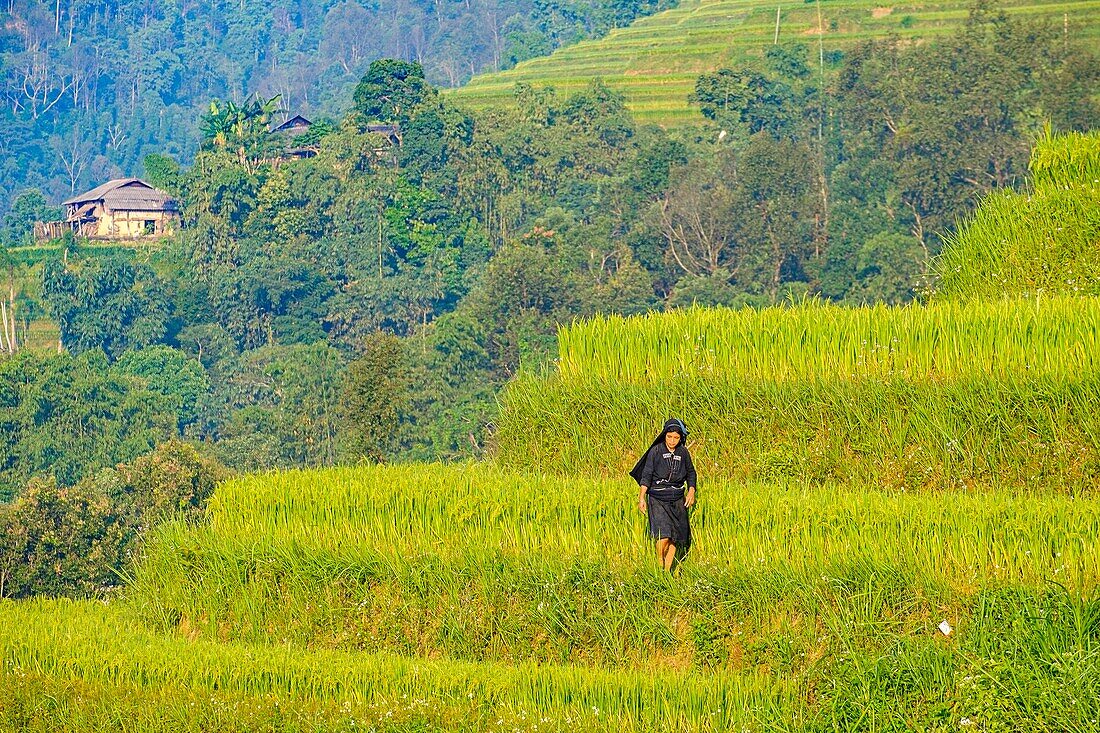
(89, 88)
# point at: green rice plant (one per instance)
(425, 598)
(1067, 159)
(479, 564)
(99, 646)
(1043, 240)
(821, 343)
(951, 395)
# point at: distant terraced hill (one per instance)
(656, 60)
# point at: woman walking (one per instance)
(666, 482)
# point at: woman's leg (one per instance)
(669, 555)
(662, 548)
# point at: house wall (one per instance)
(131, 224)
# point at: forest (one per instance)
(89, 87)
(369, 303)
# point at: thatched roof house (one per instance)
(123, 194)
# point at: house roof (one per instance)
(293, 123)
(131, 194)
(382, 128)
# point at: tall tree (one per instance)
(108, 304)
(374, 394)
(390, 91)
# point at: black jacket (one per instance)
(666, 472)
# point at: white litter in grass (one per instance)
(945, 628)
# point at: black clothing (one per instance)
(665, 472)
(672, 425)
(669, 519)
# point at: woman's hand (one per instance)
(689, 498)
(641, 500)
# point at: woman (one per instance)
(662, 474)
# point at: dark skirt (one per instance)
(669, 520)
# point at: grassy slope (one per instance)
(656, 60)
(466, 598)
(921, 398)
(1041, 240)
(482, 564)
(92, 667)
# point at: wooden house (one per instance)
(295, 127)
(288, 143)
(390, 132)
(126, 208)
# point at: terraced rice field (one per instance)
(898, 529)
(655, 61)
(471, 598)
(482, 598)
(976, 394)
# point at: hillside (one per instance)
(897, 529)
(1041, 240)
(467, 598)
(90, 88)
(656, 60)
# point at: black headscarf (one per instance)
(672, 425)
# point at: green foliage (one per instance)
(163, 172)
(748, 217)
(317, 131)
(77, 540)
(374, 393)
(391, 90)
(240, 129)
(93, 89)
(452, 388)
(68, 416)
(168, 372)
(58, 541)
(278, 406)
(476, 237)
(737, 99)
(1038, 241)
(174, 481)
(954, 123)
(890, 268)
(109, 304)
(18, 223)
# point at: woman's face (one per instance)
(672, 439)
